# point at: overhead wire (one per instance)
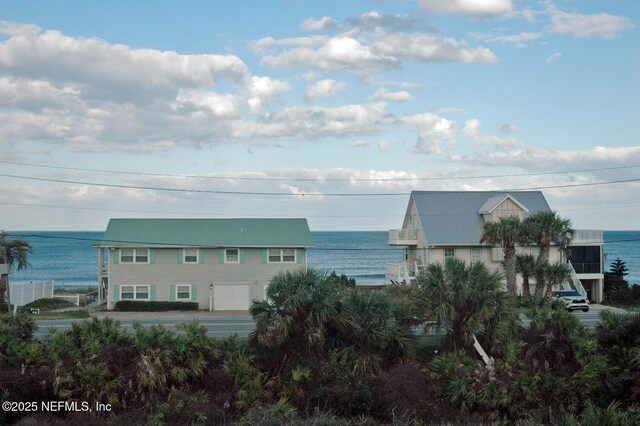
(302, 179)
(290, 194)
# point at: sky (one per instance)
(333, 111)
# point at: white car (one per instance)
(572, 300)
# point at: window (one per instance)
(127, 292)
(190, 255)
(134, 292)
(183, 292)
(289, 255)
(449, 252)
(476, 254)
(231, 256)
(535, 252)
(282, 256)
(134, 256)
(497, 254)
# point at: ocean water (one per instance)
(69, 260)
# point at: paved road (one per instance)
(222, 324)
(588, 319)
(216, 327)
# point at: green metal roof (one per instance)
(206, 233)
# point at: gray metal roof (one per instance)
(207, 233)
(453, 218)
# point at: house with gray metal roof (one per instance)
(222, 264)
(442, 224)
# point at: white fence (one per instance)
(73, 298)
(24, 293)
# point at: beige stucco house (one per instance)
(441, 224)
(222, 264)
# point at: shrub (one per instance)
(136, 306)
(48, 304)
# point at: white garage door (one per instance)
(231, 297)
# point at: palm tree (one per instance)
(465, 299)
(295, 313)
(554, 274)
(526, 266)
(507, 232)
(14, 252)
(546, 228)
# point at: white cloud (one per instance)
(337, 53)
(509, 128)
(263, 88)
(554, 57)
(399, 96)
(266, 44)
(219, 105)
(475, 8)
(322, 24)
(433, 130)
(315, 122)
(431, 49)
(323, 88)
(519, 40)
(36, 94)
(471, 127)
(376, 22)
(579, 25)
(107, 70)
(374, 42)
(386, 145)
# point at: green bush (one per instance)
(135, 306)
(48, 304)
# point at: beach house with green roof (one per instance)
(442, 224)
(222, 264)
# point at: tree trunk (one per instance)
(543, 257)
(510, 270)
(526, 290)
(4, 291)
(547, 295)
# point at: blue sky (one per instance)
(317, 98)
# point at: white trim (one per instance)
(178, 292)
(184, 256)
(135, 291)
(281, 255)
(134, 255)
(453, 252)
(226, 255)
(476, 254)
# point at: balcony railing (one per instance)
(587, 268)
(403, 237)
(588, 235)
(404, 273)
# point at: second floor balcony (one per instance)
(588, 236)
(403, 237)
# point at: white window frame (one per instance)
(281, 255)
(535, 252)
(476, 254)
(227, 259)
(134, 256)
(134, 288)
(184, 256)
(178, 291)
(497, 254)
(452, 252)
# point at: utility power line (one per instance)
(289, 194)
(211, 214)
(178, 244)
(268, 178)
